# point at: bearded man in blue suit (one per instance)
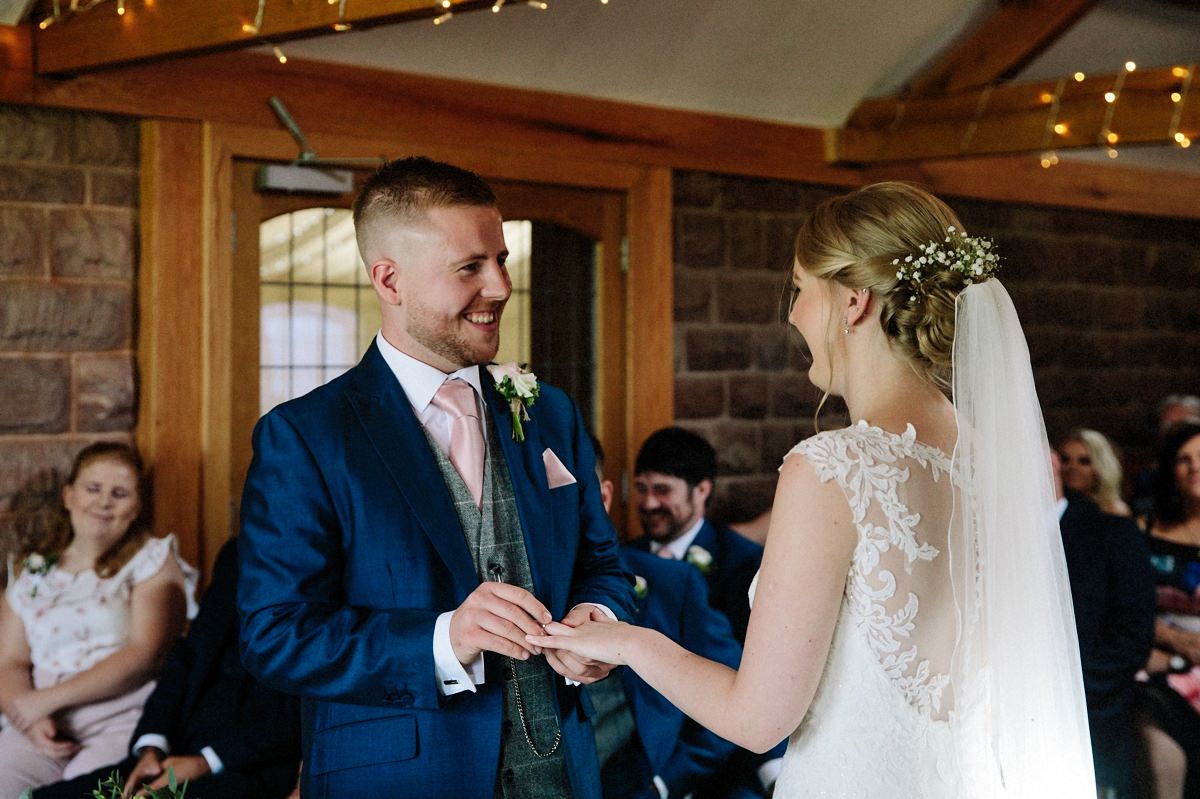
(402, 533)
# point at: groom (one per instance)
(399, 541)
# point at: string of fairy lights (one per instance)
(1106, 139)
(61, 10)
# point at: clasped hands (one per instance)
(503, 618)
(32, 713)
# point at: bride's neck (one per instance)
(884, 390)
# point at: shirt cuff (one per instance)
(151, 739)
(769, 772)
(452, 676)
(663, 793)
(214, 763)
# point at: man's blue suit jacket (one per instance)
(675, 603)
(351, 548)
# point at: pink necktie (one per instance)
(665, 552)
(457, 398)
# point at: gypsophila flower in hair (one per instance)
(970, 256)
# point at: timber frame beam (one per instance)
(1024, 117)
(101, 37)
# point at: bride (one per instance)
(911, 629)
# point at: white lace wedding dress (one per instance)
(882, 722)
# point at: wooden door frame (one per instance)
(188, 280)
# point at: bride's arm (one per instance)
(800, 586)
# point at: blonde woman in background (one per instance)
(1090, 466)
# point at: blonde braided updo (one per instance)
(857, 239)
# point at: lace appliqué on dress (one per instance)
(865, 461)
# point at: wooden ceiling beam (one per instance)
(84, 41)
(1017, 118)
(1000, 47)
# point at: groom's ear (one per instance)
(385, 275)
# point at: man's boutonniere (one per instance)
(38, 565)
(699, 557)
(641, 589)
(519, 386)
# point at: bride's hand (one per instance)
(606, 641)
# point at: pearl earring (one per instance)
(845, 326)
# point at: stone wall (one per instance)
(68, 254)
(1110, 305)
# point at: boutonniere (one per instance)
(519, 386)
(699, 557)
(641, 588)
(38, 565)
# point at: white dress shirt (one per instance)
(679, 547)
(420, 382)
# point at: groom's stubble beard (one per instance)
(662, 526)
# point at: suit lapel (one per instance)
(532, 493)
(400, 442)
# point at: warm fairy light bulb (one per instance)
(1185, 142)
(1130, 66)
(1112, 138)
(120, 8)
(1176, 97)
(248, 28)
(538, 4)
(279, 54)
(1112, 152)
(1079, 76)
(496, 6)
(1046, 97)
(1061, 128)
(443, 18)
(1110, 97)
(1179, 72)
(342, 26)
(445, 3)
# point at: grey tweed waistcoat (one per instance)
(497, 546)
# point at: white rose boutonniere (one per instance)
(641, 588)
(699, 557)
(38, 565)
(519, 386)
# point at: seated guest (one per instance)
(1090, 466)
(1112, 590)
(90, 612)
(1171, 697)
(1173, 409)
(208, 720)
(648, 748)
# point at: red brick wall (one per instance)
(1110, 304)
(68, 254)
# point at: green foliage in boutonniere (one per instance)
(519, 386)
(641, 588)
(38, 565)
(699, 557)
(111, 787)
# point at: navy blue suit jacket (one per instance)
(735, 561)
(351, 548)
(675, 603)
(1112, 589)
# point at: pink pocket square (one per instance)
(557, 475)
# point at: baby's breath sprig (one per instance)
(970, 256)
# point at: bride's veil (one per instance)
(1021, 717)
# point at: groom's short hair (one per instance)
(400, 190)
(679, 453)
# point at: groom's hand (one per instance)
(573, 667)
(496, 617)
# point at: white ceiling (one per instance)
(805, 62)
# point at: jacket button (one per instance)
(406, 699)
